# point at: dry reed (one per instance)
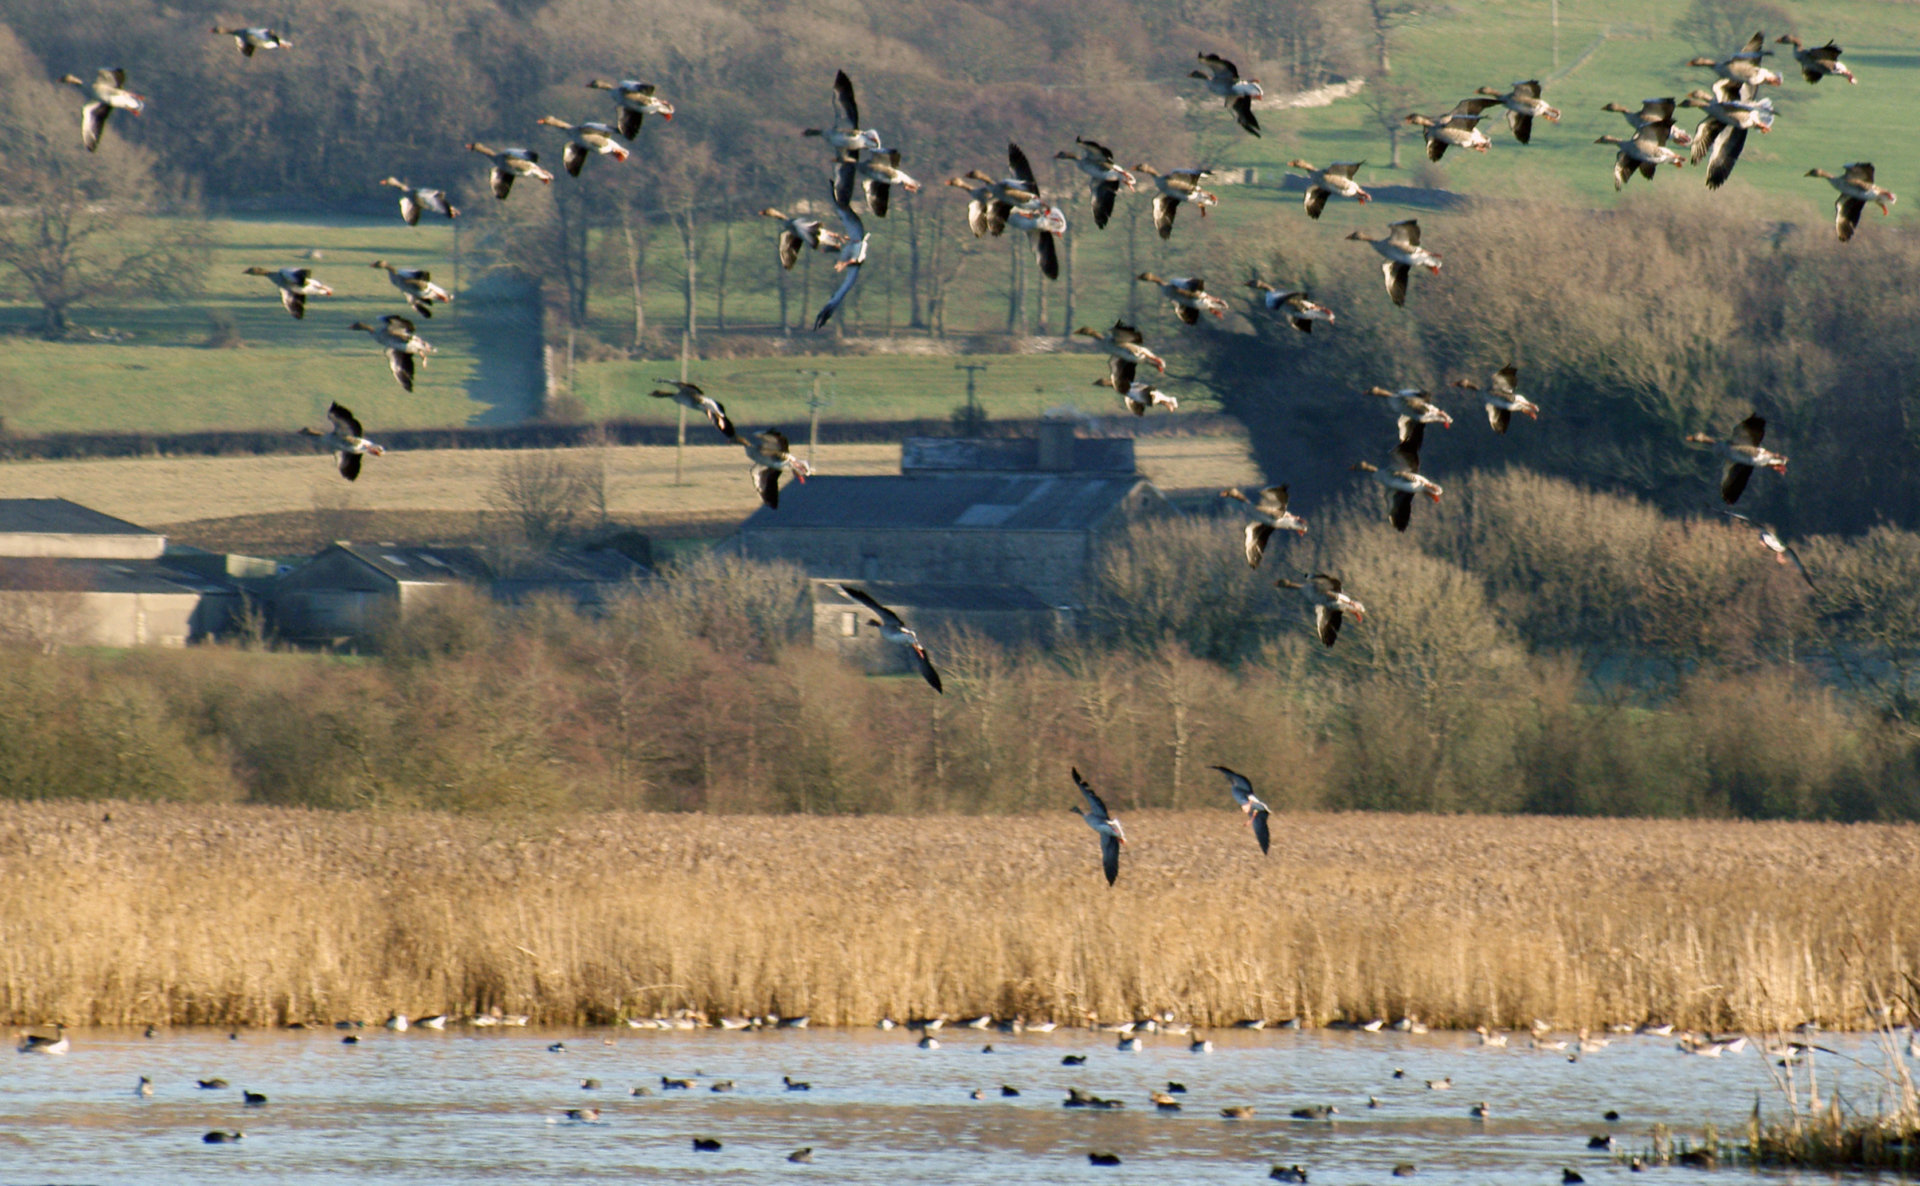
(178, 914)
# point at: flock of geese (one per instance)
(864, 171)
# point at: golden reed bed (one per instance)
(256, 916)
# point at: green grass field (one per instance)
(873, 387)
(161, 378)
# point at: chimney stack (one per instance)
(1056, 445)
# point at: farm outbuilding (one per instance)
(1010, 617)
(1027, 515)
(72, 576)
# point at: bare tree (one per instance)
(78, 228)
(545, 496)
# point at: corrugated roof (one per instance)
(63, 575)
(899, 595)
(429, 564)
(945, 455)
(1009, 502)
(58, 516)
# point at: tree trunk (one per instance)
(720, 282)
(636, 255)
(1040, 301)
(690, 248)
(1393, 148)
(1013, 288)
(1066, 292)
(53, 320)
(781, 277)
(915, 319)
(1133, 261)
(806, 287)
(886, 266)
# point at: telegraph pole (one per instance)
(973, 404)
(814, 403)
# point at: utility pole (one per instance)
(973, 405)
(680, 443)
(815, 402)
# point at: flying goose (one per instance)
(1113, 837)
(1177, 187)
(1524, 105)
(689, 395)
(1501, 399)
(1644, 151)
(798, 231)
(1414, 404)
(1322, 592)
(1856, 187)
(109, 90)
(1459, 128)
(41, 1044)
(1189, 296)
(1292, 304)
(1126, 349)
(251, 39)
(1652, 112)
(416, 284)
(1256, 811)
(1402, 477)
(987, 210)
(295, 285)
(1041, 219)
(413, 201)
(1103, 175)
(894, 630)
(879, 171)
(1223, 78)
(1402, 251)
(1722, 134)
(509, 163)
(1142, 396)
(1782, 553)
(1743, 453)
(846, 135)
(637, 101)
(584, 138)
(403, 346)
(853, 253)
(770, 453)
(1335, 179)
(1744, 66)
(346, 442)
(1818, 61)
(1270, 514)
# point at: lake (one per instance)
(479, 1106)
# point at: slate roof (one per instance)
(1007, 502)
(900, 595)
(58, 516)
(63, 575)
(1107, 456)
(430, 564)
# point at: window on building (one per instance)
(849, 624)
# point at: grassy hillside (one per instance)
(160, 376)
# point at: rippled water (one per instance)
(477, 1106)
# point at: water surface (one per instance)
(480, 1105)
